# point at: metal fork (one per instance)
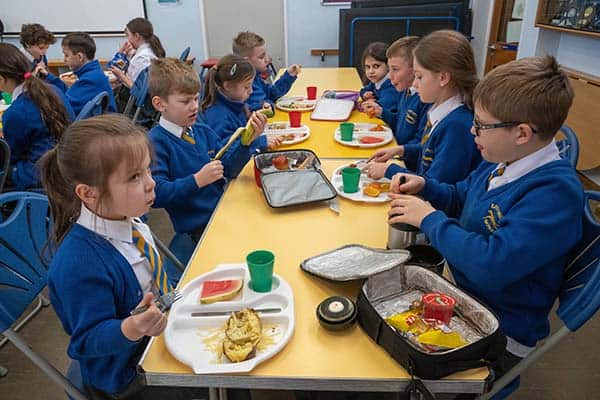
(163, 303)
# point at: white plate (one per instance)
(332, 110)
(361, 130)
(338, 184)
(295, 103)
(283, 128)
(188, 338)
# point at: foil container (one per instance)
(301, 183)
(353, 262)
(391, 292)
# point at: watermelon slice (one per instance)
(213, 291)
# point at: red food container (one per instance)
(438, 306)
(257, 174)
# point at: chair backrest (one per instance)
(96, 106)
(185, 53)
(580, 294)
(568, 147)
(4, 162)
(24, 257)
(139, 89)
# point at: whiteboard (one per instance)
(61, 16)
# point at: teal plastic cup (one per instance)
(350, 179)
(7, 98)
(347, 131)
(260, 264)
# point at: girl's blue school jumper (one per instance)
(448, 155)
(263, 91)
(92, 289)
(509, 246)
(188, 205)
(386, 96)
(225, 116)
(28, 138)
(91, 81)
(409, 122)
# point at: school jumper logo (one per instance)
(493, 217)
(411, 117)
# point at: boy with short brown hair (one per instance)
(252, 46)
(35, 40)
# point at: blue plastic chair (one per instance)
(185, 53)
(568, 147)
(4, 162)
(138, 94)
(97, 106)
(24, 261)
(579, 297)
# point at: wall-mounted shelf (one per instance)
(581, 17)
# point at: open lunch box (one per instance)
(292, 177)
(393, 284)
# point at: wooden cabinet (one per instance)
(575, 16)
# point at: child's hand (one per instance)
(273, 142)
(371, 108)
(368, 95)
(294, 69)
(120, 75)
(40, 70)
(211, 172)
(126, 47)
(151, 322)
(376, 170)
(386, 154)
(408, 209)
(258, 121)
(413, 184)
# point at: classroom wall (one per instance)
(574, 51)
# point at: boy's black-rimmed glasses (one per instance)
(481, 127)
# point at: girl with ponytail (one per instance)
(223, 107)
(36, 119)
(98, 182)
(145, 45)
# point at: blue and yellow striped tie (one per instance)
(188, 136)
(426, 132)
(158, 272)
(495, 173)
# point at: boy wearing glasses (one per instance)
(508, 228)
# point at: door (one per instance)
(505, 32)
(225, 19)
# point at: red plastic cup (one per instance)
(295, 119)
(257, 175)
(438, 306)
(311, 92)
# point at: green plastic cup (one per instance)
(350, 179)
(260, 264)
(347, 131)
(7, 98)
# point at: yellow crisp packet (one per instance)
(408, 321)
(436, 337)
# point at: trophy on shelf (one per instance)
(590, 16)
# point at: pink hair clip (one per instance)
(27, 75)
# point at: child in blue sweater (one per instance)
(79, 50)
(252, 46)
(35, 120)
(189, 183)
(379, 89)
(507, 230)
(411, 115)
(223, 108)
(35, 40)
(98, 182)
(445, 76)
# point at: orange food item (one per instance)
(377, 128)
(371, 113)
(281, 162)
(371, 191)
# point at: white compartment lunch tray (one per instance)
(186, 337)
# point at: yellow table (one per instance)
(314, 359)
(321, 132)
